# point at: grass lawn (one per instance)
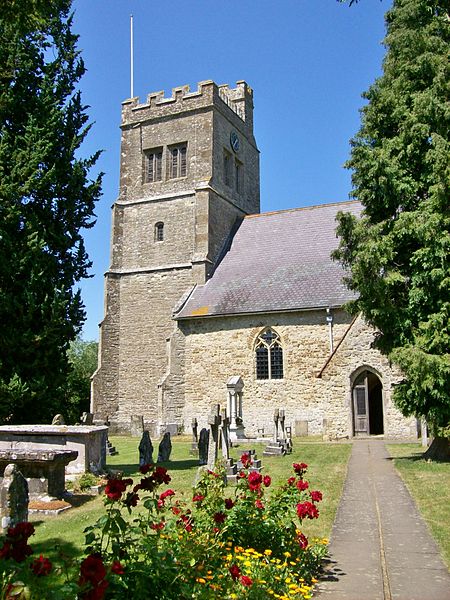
(429, 485)
(327, 469)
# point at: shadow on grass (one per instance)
(172, 465)
(420, 457)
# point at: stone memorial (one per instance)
(165, 448)
(203, 443)
(145, 450)
(13, 498)
(230, 466)
(87, 418)
(276, 447)
(58, 420)
(235, 385)
(136, 425)
(194, 445)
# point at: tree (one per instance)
(83, 361)
(398, 253)
(46, 199)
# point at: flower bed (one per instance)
(228, 542)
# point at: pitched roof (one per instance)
(277, 261)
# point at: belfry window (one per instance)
(153, 165)
(269, 355)
(178, 161)
(159, 232)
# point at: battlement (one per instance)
(238, 99)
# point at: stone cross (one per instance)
(13, 497)
(165, 448)
(203, 443)
(282, 418)
(276, 416)
(194, 430)
(214, 421)
(145, 450)
(225, 435)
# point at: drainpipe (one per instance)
(330, 328)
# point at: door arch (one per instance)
(367, 404)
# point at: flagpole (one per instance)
(131, 59)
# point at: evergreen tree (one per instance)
(46, 199)
(83, 358)
(398, 252)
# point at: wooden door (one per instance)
(361, 406)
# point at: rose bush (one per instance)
(241, 542)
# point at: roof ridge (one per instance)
(300, 208)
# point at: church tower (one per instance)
(189, 173)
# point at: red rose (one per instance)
(302, 541)
(160, 475)
(229, 503)
(307, 509)
(166, 494)
(246, 460)
(316, 496)
(219, 517)
(157, 526)
(234, 571)
(259, 504)
(266, 480)
(144, 469)
(147, 483)
(115, 488)
(198, 498)
(300, 468)
(246, 581)
(254, 481)
(92, 570)
(131, 499)
(291, 480)
(117, 568)
(41, 566)
(302, 485)
(22, 531)
(176, 510)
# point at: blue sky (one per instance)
(308, 61)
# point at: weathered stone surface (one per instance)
(214, 421)
(87, 418)
(165, 448)
(136, 425)
(203, 443)
(58, 420)
(145, 450)
(13, 497)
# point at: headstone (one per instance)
(13, 497)
(276, 417)
(276, 447)
(194, 446)
(424, 433)
(58, 420)
(214, 421)
(87, 418)
(165, 448)
(301, 428)
(203, 443)
(145, 450)
(171, 428)
(235, 385)
(136, 425)
(225, 435)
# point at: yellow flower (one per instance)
(268, 552)
(229, 557)
(200, 580)
(288, 580)
(247, 563)
(287, 554)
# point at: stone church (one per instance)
(202, 287)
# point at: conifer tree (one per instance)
(398, 252)
(46, 199)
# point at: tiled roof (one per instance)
(278, 261)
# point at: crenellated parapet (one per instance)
(239, 99)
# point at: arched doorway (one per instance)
(367, 396)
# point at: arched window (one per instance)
(159, 232)
(269, 355)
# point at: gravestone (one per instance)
(13, 497)
(301, 428)
(276, 447)
(194, 445)
(276, 418)
(136, 425)
(58, 420)
(225, 443)
(203, 443)
(214, 421)
(87, 418)
(145, 450)
(165, 448)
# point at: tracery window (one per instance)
(153, 165)
(178, 161)
(269, 355)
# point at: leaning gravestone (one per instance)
(136, 425)
(214, 422)
(58, 420)
(87, 418)
(165, 448)
(145, 450)
(203, 443)
(13, 497)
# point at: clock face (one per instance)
(234, 141)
